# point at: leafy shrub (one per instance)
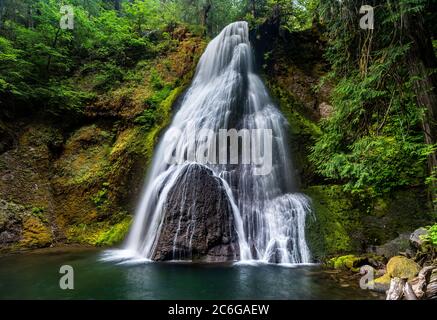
(432, 235)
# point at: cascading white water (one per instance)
(226, 93)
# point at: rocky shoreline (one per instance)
(401, 270)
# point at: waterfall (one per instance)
(268, 215)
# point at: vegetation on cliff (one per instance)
(360, 117)
(81, 112)
(82, 109)
(381, 132)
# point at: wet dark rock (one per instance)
(393, 247)
(198, 220)
(416, 237)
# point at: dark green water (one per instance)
(36, 275)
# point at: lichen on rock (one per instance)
(402, 267)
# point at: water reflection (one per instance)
(36, 276)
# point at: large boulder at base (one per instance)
(416, 237)
(402, 267)
(198, 223)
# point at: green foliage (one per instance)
(431, 237)
(291, 15)
(101, 198)
(208, 15)
(147, 119)
(38, 212)
(152, 115)
(155, 79)
(115, 234)
(373, 142)
(39, 60)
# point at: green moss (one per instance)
(335, 220)
(402, 267)
(35, 234)
(115, 234)
(39, 213)
(431, 236)
(101, 198)
(349, 262)
(343, 222)
(85, 158)
(401, 211)
(291, 109)
(100, 233)
(381, 284)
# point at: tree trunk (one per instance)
(421, 59)
(205, 13)
(117, 5)
(253, 8)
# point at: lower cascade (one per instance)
(215, 211)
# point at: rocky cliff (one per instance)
(293, 65)
(76, 178)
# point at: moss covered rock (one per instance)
(87, 171)
(348, 262)
(397, 267)
(100, 233)
(115, 234)
(335, 227)
(402, 267)
(36, 234)
(343, 222)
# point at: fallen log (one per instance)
(419, 283)
(408, 292)
(396, 290)
(431, 288)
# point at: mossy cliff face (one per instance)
(292, 65)
(77, 180)
(341, 223)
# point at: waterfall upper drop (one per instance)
(217, 211)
